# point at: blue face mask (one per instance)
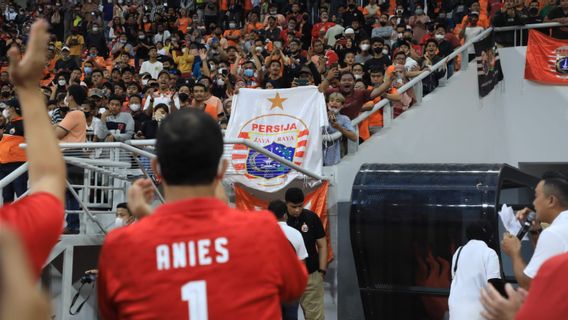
(88, 70)
(249, 73)
(92, 55)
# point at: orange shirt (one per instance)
(10, 150)
(183, 23)
(75, 124)
(254, 26)
(232, 33)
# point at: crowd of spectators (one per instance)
(127, 64)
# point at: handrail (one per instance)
(416, 80)
(530, 26)
(258, 148)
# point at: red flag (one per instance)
(547, 59)
(314, 200)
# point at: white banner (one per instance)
(288, 123)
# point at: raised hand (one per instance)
(140, 196)
(27, 71)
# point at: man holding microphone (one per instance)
(551, 205)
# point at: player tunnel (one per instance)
(408, 219)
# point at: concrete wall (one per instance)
(519, 123)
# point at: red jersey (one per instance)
(547, 294)
(198, 259)
(38, 221)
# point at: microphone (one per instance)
(526, 225)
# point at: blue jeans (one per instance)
(72, 219)
(290, 311)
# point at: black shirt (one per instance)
(383, 62)
(559, 32)
(311, 228)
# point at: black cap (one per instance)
(14, 103)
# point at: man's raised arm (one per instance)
(46, 166)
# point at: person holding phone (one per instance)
(337, 122)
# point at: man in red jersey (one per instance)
(194, 257)
(38, 218)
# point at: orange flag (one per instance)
(547, 59)
(315, 200)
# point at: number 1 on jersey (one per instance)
(195, 293)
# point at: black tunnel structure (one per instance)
(406, 222)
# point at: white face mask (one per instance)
(358, 76)
(134, 107)
(95, 29)
(364, 47)
(102, 110)
(6, 113)
(334, 110)
(220, 82)
(385, 51)
(62, 82)
(144, 82)
(439, 36)
(118, 223)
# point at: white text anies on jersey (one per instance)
(192, 253)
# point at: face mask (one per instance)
(364, 47)
(249, 73)
(134, 107)
(232, 26)
(220, 82)
(50, 113)
(183, 97)
(88, 70)
(419, 12)
(118, 223)
(5, 113)
(141, 37)
(259, 49)
(358, 76)
(399, 35)
(273, 12)
(92, 55)
(334, 110)
(439, 36)
(95, 29)
(144, 82)
(61, 82)
(385, 52)
(145, 20)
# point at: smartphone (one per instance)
(302, 82)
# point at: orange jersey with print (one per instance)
(198, 259)
(231, 33)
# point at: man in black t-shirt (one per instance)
(311, 228)
(559, 14)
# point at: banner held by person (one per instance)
(315, 200)
(489, 71)
(547, 59)
(286, 122)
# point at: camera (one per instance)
(88, 278)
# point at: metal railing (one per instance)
(416, 82)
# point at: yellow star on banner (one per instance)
(277, 101)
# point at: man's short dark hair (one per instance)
(189, 147)
(479, 230)
(97, 71)
(294, 195)
(117, 98)
(556, 184)
(278, 207)
(123, 205)
(78, 93)
(201, 85)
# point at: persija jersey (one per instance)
(198, 259)
(38, 220)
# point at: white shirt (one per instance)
(295, 238)
(476, 265)
(551, 242)
(471, 32)
(332, 32)
(152, 68)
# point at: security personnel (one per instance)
(311, 228)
